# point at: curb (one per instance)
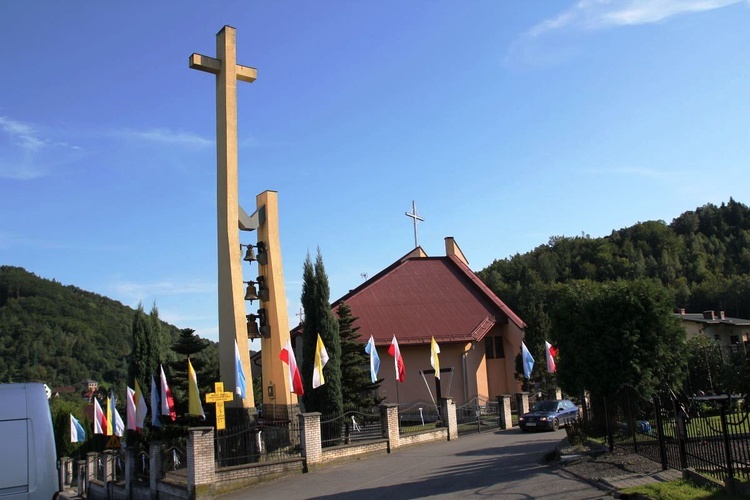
(592, 482)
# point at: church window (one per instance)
(493, 347)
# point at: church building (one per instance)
(419, 297)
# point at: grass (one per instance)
(679, 490)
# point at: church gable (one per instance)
(417, 298)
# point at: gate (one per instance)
(478, 415)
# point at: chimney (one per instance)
(708, 315)
(681, 311)
(452, 248)
(722, 315)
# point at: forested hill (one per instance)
(703, 256)
(60, 334)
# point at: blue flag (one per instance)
(77, 434)
(155, 404)
(374, 359)
(528, 361)
(239, 376)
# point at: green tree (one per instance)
(705, 366)
(615, 335)
(319, 320)
(359, 392)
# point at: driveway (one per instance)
(507, 463)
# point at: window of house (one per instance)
(493, 347)
(734, 339)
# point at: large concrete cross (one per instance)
(232, 314)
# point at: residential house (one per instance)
(732, 334)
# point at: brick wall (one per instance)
(348, 451)
(440, 434)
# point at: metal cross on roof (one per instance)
(416, 218)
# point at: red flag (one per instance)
(394, 351)
(100, 419)
(295, 381)
(167, 401)
(551, 352)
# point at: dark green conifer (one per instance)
(358, 393)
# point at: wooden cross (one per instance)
(219, 397)
(416, 218)
(438, 391)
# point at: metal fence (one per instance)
(350, 427)
(119, 465)
(173, 455)
(709, 434)
(265, 441)
(477, 415)
(418, 417)
(142, 466)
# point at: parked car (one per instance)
(549, 415)
(28, 462)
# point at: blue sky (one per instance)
(506, 122)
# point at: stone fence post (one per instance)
(450, 420)
(109, 466)
(201, 460)
(503, 408)
(522, 402)
(389, 421)
(154, 467)
(312, 447)
(91, 459)
(81, 478)
(66, 472)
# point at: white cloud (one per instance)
(534, 48)
(26, 152)
(166, 136)
(21, 134)
(599, 14)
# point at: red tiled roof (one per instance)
(419, 297)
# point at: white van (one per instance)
(28, 460)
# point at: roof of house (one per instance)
(418, 297)
(711, 318)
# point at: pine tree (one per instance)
(188, 344)
(319, 319)
(359, 393)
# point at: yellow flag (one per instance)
(321, 358)
(434, 361)
(194, 398)
(109, 417)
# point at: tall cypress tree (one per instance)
(319, 319)
(157, 344)
(138, 367)
(359, 393)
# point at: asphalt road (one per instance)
(506, 463)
